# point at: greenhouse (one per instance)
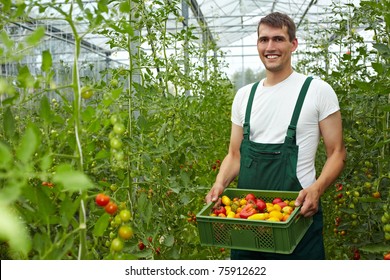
(116, 118)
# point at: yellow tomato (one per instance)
(287, 209)
(228, 209)
(259, 216)
(243, 202)
(277, 207)
(276, 214)
(226, 200)
(231, 214)
(273, 219)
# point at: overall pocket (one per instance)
(264, 170)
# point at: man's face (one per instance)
(275, 48)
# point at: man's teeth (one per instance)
(272, 56)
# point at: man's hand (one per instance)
(214, 193)
(308, 199)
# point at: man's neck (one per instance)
(273, 78)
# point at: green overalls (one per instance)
(273, 167)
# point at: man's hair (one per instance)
(277, 19)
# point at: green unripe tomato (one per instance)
(119, 128)
(125, 215)
(117, 245)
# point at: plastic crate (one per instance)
(253, 235)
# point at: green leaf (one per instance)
(45, 111)
(13, 231)
(46, 162)
(376, 248)
(25, 78)
(102, 6)
(10, 192)
(9, 123)
(169, 240)
(124, 7)
(5, 156)
(36, 36)
(72, 180)
(68, 209)
(45, 205)
(47, 61)
(101, 225)
(6, 40)
(378, 67)
(28, 145)
(145, 208)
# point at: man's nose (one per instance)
(270, 45)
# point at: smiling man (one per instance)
(277, 124)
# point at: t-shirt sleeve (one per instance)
(237, 114)
(328, 102)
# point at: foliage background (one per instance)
(58, 150)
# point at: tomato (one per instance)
(387, 256)
(277, 200)
(126, 232)
(117, 245)
(86, 92)
(111, 208)
(219, 210)
(376, 194)
(125, 215)
(114, 82)
(141, 245)
(247, 211)
(102, 199)
(250, 196)
(261, 205)
(114, 119)
(282, 204)
(116, 143)
(226, 200)
(119, 128)
(113, 187)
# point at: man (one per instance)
(273, 143)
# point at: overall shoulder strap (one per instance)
(249, 110)
(291, 132)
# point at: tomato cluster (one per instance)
(116, 143)
(103, 200)
(254, 208)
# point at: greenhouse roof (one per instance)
(231, 20)
(230, 24)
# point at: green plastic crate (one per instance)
(253, 235)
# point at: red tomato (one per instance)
(102, 199)
(250, 196)
(111, 208)
(282, 204)
(261, 205)
(387, 256)
(220, 210)
(277, 200)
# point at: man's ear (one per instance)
(294, 45)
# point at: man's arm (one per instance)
(230, 166)
(331, 131)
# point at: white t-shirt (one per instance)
(271, 114)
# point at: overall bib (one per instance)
(273, 167)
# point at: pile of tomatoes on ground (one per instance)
(251, 207)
